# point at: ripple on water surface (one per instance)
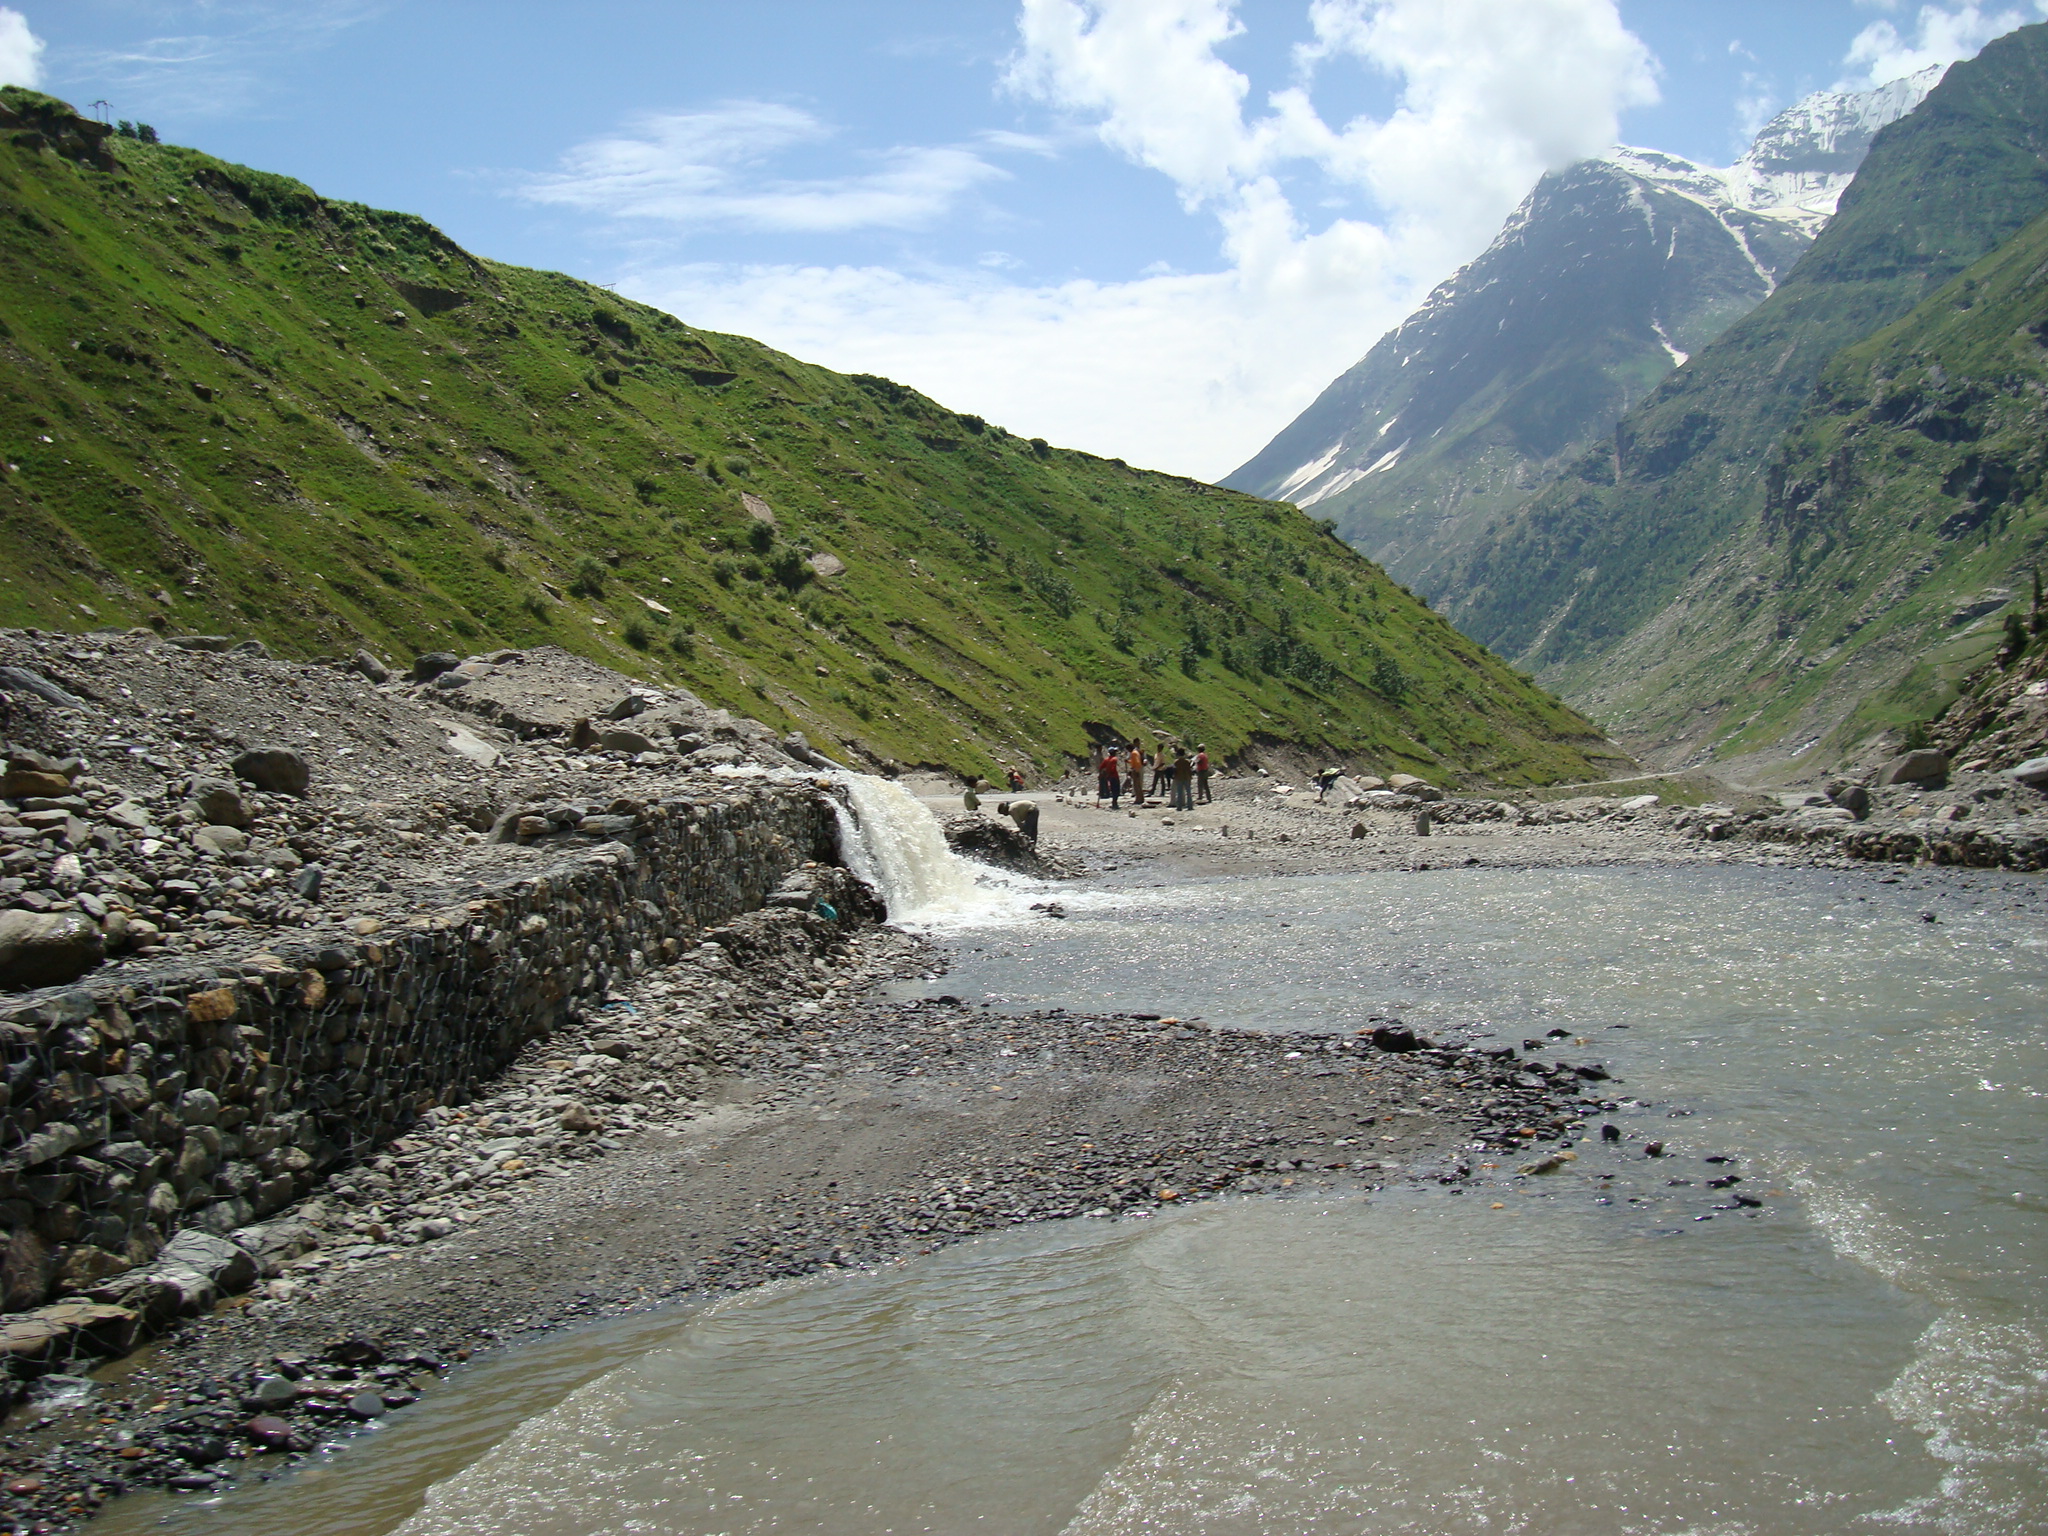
(1867, 1356)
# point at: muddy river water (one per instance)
(1616, 1347)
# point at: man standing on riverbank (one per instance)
(1108, 777)
(1202, 775)
(1134, 771)
(1183, 781)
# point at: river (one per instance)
(1614, 1348)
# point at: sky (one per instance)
(1153, 229)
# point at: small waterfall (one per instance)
(889, 838)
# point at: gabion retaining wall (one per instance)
(209, 1095)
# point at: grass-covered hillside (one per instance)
(1632, 581)
(230, 405)
(1904, 519)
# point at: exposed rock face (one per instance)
(1610, 273)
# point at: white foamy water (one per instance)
(891, 840)
(1616, 1351)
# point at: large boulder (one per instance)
(278, 769)
(618, 739)
(46, 949)
(991, 842)
(1925, 766)
(367, 665)
(430, 666)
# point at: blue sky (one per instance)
(1151, 228)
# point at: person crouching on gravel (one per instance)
(1108, 779)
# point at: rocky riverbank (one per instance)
(721, 1106)
(836, 1130)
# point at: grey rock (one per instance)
(221, 839)
(430, 666)
(214, 643)
(278, 769)
(131, 814)
(306, 883)
(1925, 766)
(22, 680)
(221, 803)
(631, 743)
(2033, 773)
(370, 667)
(1853, 798)
(251, 647)
(226, 1264)
(470, 746)
(632, 704)
(714, 756)
(274, 1392)
(43, 949)
(199, 1107)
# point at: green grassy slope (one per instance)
(1566, 581)
(231, 405)
(1904, 512)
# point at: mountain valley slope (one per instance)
(1657, 581)
(1610, 273)
(231, 405)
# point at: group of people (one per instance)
(1183, 778)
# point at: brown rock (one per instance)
(20, 783)
(25, 1270)
(212, 1007)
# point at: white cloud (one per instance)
(1194, 371)
(21, 51)
(1939, 34)
(688, 167)
(226, 63)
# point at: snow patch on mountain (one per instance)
(1795, 169)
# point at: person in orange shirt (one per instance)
(1134, 771)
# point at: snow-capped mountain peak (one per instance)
(1798, 164)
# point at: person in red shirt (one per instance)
(1108, 778)
(1202, 775)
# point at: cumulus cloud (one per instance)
(692, 168)
(1938, 34)
(21, 51)
(1193, 371)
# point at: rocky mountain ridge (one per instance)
(1799, 543)
(1608, 276)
